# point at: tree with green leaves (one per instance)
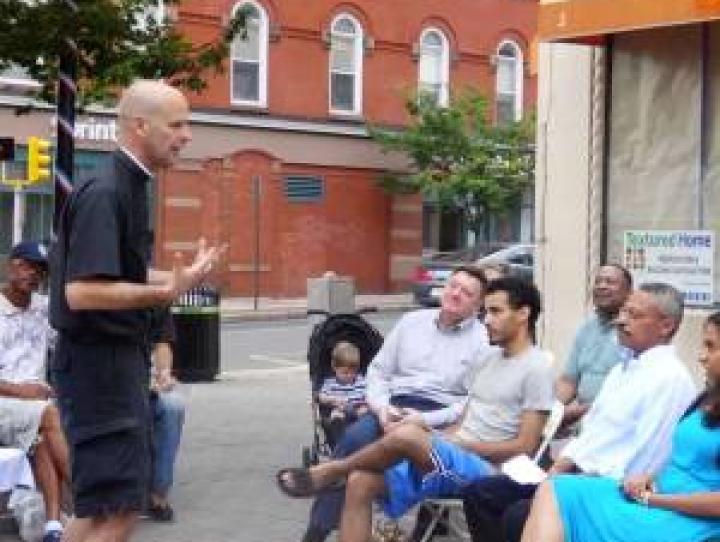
(459, 159)
(117, 41)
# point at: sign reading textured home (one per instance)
(683, 258)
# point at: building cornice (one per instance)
(356, 129)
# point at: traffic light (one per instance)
(7, 149)
(38, 160)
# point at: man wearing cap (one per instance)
(27, 419)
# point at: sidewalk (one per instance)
(242, 308)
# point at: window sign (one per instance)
(682, 258)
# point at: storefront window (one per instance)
(663, 148)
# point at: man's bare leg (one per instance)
(544, 523)
(47, 480)
(406, 442)
(52, 433)
(361, 489)
(115, 528)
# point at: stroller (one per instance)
(335, 328)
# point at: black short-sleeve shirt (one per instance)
(104, 232)
(162, 327)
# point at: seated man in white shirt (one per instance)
(510, 397)
(27, 419)
(629, 425)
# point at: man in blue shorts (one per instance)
(511, 394)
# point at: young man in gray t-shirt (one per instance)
(507, 408)
(503, 389)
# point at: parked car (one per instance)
(429, 279)
(520, 258)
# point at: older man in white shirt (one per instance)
(629, 426)
(28, 420)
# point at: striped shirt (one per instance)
(352, 392)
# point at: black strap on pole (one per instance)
(65, 148)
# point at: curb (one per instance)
(268, 315)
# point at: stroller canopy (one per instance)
(340, 327)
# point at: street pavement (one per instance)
(248, 309)
(240, 429)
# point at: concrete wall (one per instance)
(562, 191)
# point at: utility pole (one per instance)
(66, 93)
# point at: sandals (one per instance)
(297, 482)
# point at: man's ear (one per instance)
(140, 126)
(524, 313)
(668, 327)
(480, 302)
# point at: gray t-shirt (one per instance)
(504, 388)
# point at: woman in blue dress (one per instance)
(680, 504)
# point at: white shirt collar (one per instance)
(137, 162)
(8, 308)
(648, 356)
(461, 325)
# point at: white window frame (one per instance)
(263, 39)
(16, 81)
(519, 78)
(359, 38)
(444, 96)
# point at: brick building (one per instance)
(281, 165)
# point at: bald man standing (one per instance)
(102, 290)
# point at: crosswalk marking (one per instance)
(279, 359)
(244, 373)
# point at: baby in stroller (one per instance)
(342, 396)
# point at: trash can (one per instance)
(196, 316)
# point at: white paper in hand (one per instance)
(523, 470)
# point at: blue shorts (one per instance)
(454, 468)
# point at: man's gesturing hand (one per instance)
(183, 277)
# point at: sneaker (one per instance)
(52, 536)
(163, 514)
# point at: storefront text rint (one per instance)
(683, 258)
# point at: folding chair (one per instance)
(449, 512)
(15, 471)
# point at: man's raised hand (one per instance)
(183, 277)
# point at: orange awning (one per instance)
(590, 21)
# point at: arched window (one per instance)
(434, 70)
(509, 83)
(346, 57)
(248, 53)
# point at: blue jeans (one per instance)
(327, 508)
(168, 418)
